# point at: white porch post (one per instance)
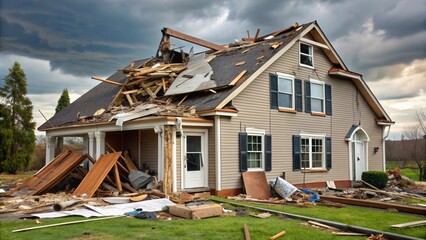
(217, 153)
(50, 148)
(91, 147)
(100, 143)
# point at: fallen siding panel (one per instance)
(50, 175)
(97, 174)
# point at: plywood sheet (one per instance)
(97, 174)
(50, 175)
(256, 185)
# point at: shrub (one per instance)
(375, 178)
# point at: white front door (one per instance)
(359, 158)
(194, 160)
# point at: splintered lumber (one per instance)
(64, 223)
(107, 81)
(348, 234)
(117, 178)
(97, 174)
(168, 176)
(237, 78)
(57, 170)
(410, 224)
(375, 204)
(323, 225)
(246, 232)
(240, 63)
(191, 39)
(276, 236)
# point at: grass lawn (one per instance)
(216, 228)
(9, 178)
(132, 228)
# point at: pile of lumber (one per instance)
(148, 82)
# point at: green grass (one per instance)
(363, 217)
(217, 227)
(132, 228)
(9, 178)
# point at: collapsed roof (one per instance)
(182, 83)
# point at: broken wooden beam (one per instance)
(107, 81)
(410, 224)
(246, 232)
(278, 235)
(168, 176)
(237, 78)
(191, 39)
(375, 204)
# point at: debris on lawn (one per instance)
(196, 211)
(278, 235)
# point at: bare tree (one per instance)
(415, 147)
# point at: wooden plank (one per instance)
(183, 99)
(237, 78)
(97, 174)
(107, 81)
(129, 99)
(240, 63)
(309, 41)
(64, 223)
(323, 225)
(130, 91)
(164, 84)
(278, 235)
(53, 174)
(256, 185)
(410, 224)
(348, 234)
(192, 39)
(376, 204)
(168, 176)
(246, 232)
(371, 186)
(117, 178)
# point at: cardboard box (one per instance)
(196, 212)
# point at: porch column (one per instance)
(168, 168)
(50, 148)
(100, 143)
(91, 147)
(59, 145)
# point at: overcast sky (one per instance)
(61, 44)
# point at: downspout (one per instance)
(217, 154)
(384, 146)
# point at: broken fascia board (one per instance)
(137, 109)
(133, 115)
(200, 73)
(154, 205)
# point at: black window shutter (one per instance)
(298, 93)
(243, 152)
(308, 97)
(328, 153)
(297, 156)
(268, 152)
(328, 109)
(273, 82)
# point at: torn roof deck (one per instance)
(203, 82)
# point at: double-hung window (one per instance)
(317, 97)
(312, 150)
(254, 151)
(285, 91)
(306, 55)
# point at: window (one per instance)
(317, 97)
(254, 151)
(286, 92)
(306, 55)
(311, 152)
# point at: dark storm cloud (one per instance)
(96, 37)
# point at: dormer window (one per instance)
(306, 55)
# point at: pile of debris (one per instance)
(397, 181)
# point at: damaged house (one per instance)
(283, 103)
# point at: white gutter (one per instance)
(217, 153)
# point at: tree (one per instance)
(63, 101)
(16, 124)
(416, 149)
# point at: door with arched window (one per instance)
(358, 140)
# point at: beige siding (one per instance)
(149, 149)
(254, 112)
